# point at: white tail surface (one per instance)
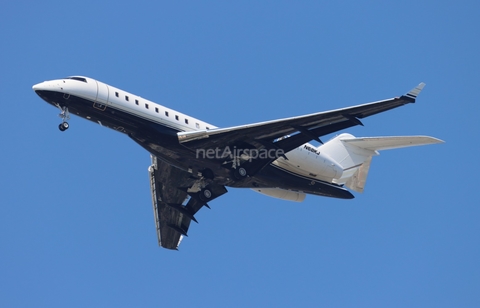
(354, 155)
(357, 181)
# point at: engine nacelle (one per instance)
(309, 161)
(281, 194)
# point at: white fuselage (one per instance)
(104, 94)
(305, 160)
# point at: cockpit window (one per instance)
(78, 78)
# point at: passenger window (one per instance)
(156, 109)
(176, 117)
(186, 121)
(166, 113)
(197, 125)
(146, 106)
(136, 102)
(126, 98)
(207, 127)
(116, 94)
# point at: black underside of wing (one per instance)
(171, 224)
(169, 192)
(316, 125)
(269, 135)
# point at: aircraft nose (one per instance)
(41, 86)
(37, 86)
(45, 86)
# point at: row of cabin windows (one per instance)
(157, 111)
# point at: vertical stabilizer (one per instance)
(357, 181)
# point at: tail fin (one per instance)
(354, 155)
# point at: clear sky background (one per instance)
(76, 221)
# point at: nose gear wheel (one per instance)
(63, 126)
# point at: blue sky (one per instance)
(76, 223)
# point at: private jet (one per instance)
(193, 161)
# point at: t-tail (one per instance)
(354, 155)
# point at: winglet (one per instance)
(415, 91)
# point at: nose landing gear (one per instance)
(65, 115)
(63, 126)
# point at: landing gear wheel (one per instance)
(205, 194)
(240, 173)
(63, 126)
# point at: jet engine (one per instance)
(282, 194)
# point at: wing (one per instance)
(270, 135)
(171, 187)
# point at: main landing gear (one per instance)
(65, 115)
(239, 173)
(205, 194)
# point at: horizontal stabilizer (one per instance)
(354, 155)
(387, 143)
